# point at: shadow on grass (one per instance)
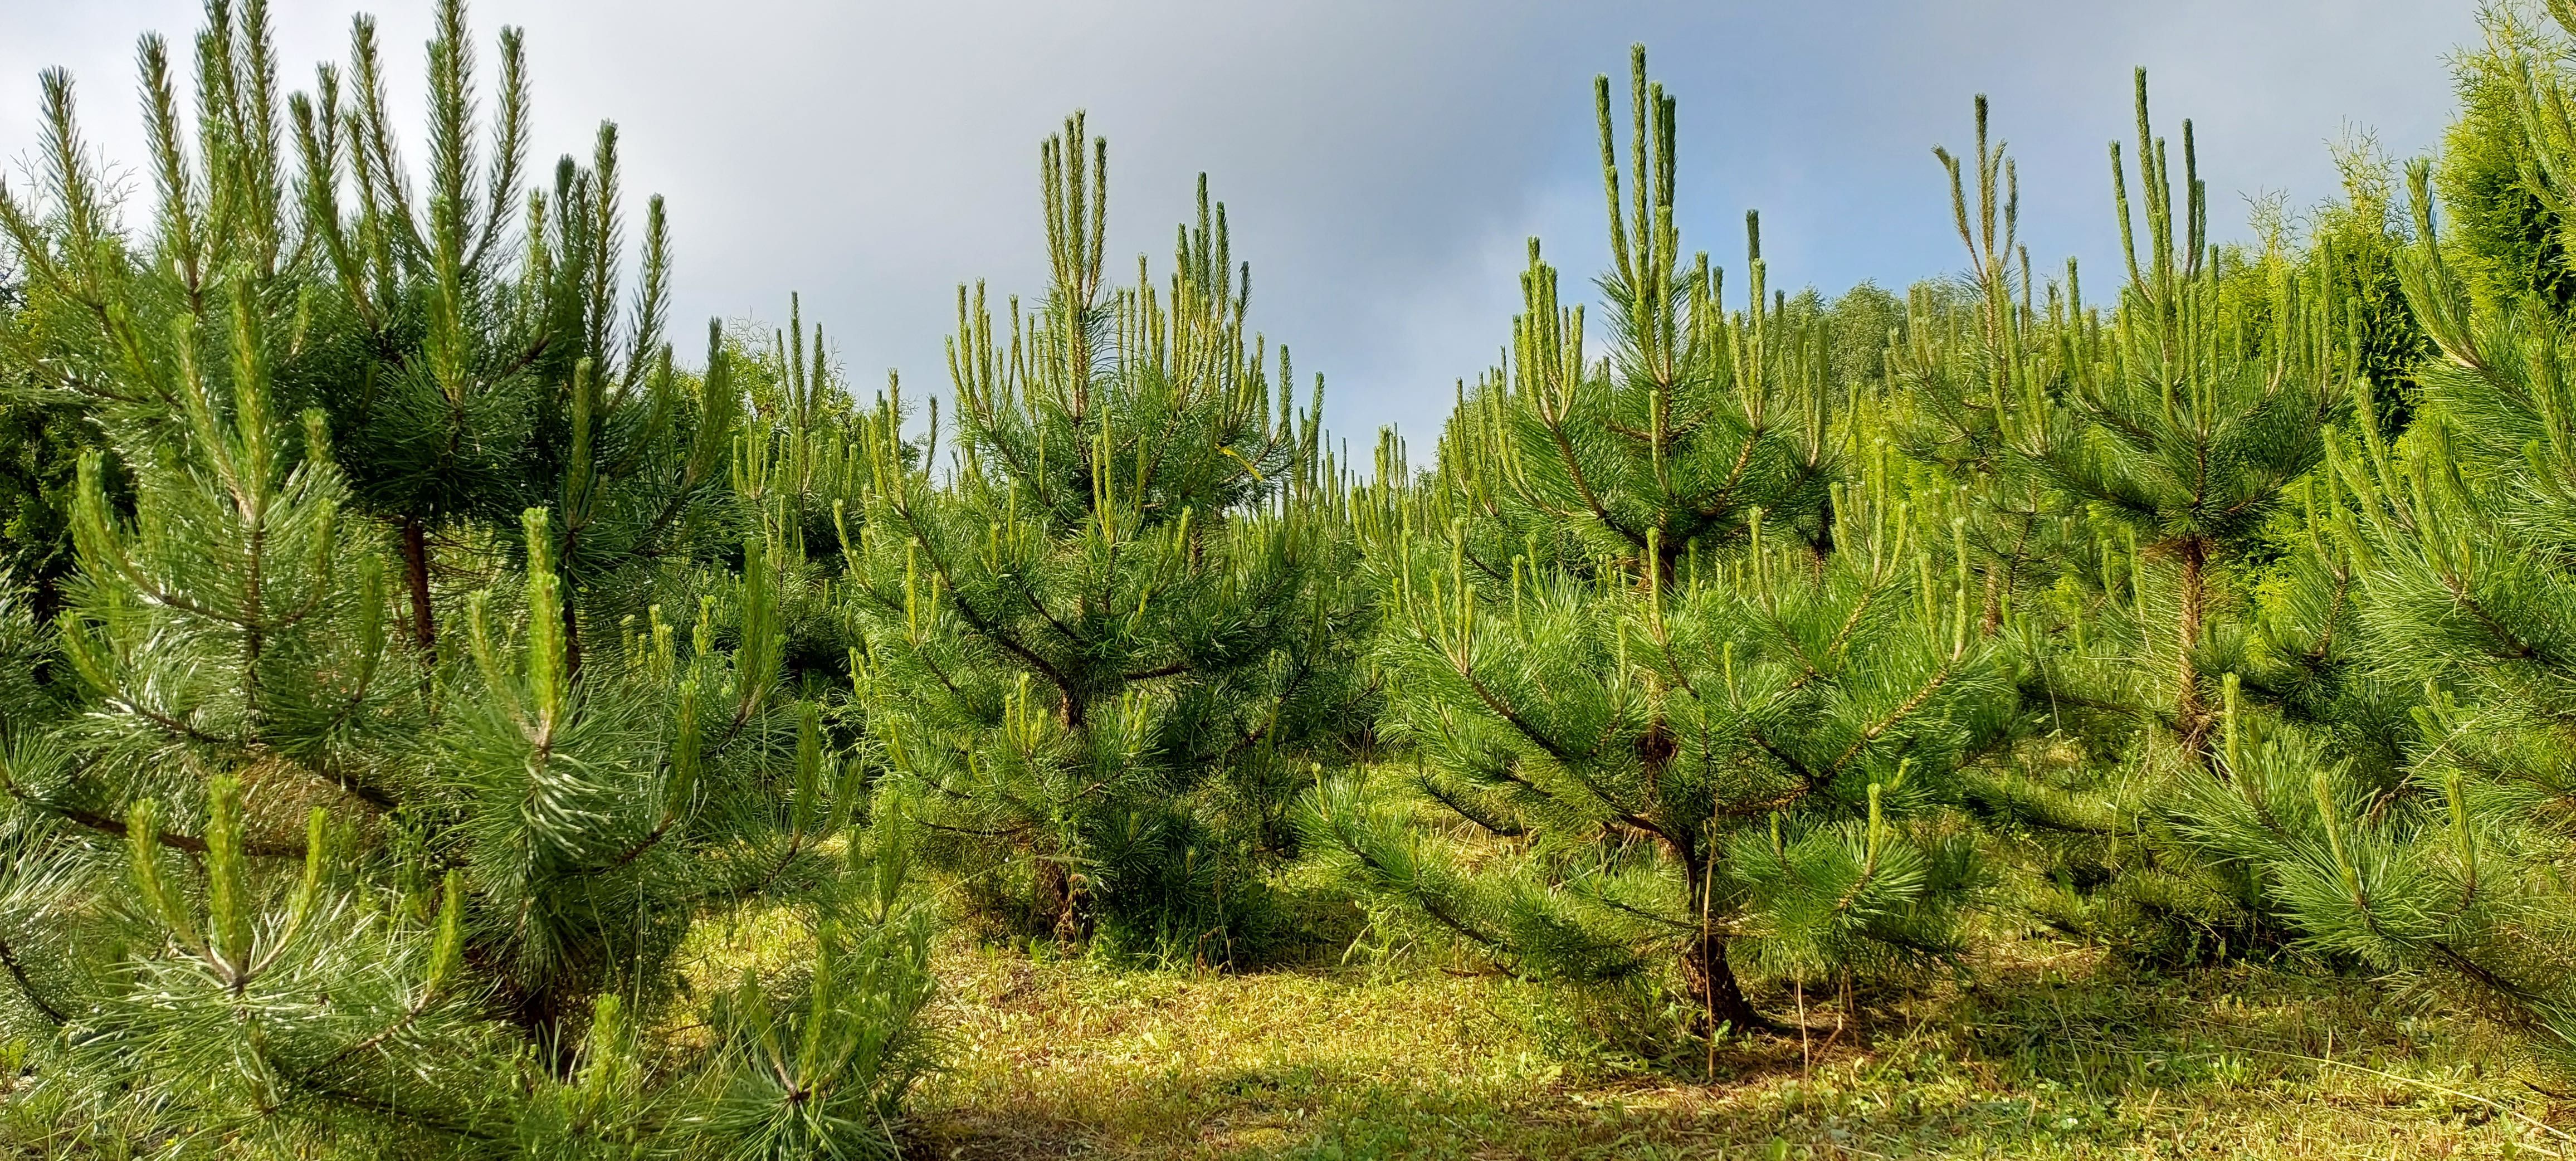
(2066, 1056)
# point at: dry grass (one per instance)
(2057, 1054)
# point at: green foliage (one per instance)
(1709, 746)
(1867, 322)
(1981, 390)
(275, 881)
(2119, 475)
(42, 438)
(2410, 822)
(2359, 240)
(2508, 232)
(2442, 869)
(413, 678)
(2190, 412)
(1106, 646)
(479, 389)
(1743, 772)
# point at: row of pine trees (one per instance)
(415, 674)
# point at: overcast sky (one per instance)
(1383, 160)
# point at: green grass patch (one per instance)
(2054, 1052)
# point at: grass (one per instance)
(2055, 1053)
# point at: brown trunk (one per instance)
(570, 598)
(546, 1016)
(2191, 714)
(1058, 895)
(1713, 984)
(415, 541)
(544, 1013)
(571, 637)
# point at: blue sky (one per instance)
(1383, 160)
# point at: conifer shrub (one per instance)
(2445, 868)
(2120, 473)
(1107, 628)
(281, 875)
(2508, 231)
(43, 440)
(1977, 385)
(1676, 649)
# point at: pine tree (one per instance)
(1978, 403)
(480, 389)
(1104, 646)
(1981, 383)
(1704, 424)
(804, 454)
(272, 885)
(460, 390)
(2359, 239)
(2191, 412)
(2447, 869)
(41, 439)
(1727, 751)
(2309, 655)
(2125, 476)
(537, 860)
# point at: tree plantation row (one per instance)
(410, 650)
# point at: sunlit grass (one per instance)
(2055, 1053)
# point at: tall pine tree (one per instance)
(268, 884)
(1716, 731)
(2447, 870)
(1102, 637)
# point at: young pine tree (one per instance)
(377, 910)
(1979, 385)
(2189, 415)
(1981, 378)
(270, 886)
(1700, 422)
(2449, 872)
(468, 343)
(1715, 748)
(2147, 454)
(1105, 646)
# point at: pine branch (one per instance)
(27, 987)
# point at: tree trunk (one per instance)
(571, 636)
(571, 602)
(546, 1014)
(415, 541)
(2191, 713)
(1713, 984)
(1058, 896)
